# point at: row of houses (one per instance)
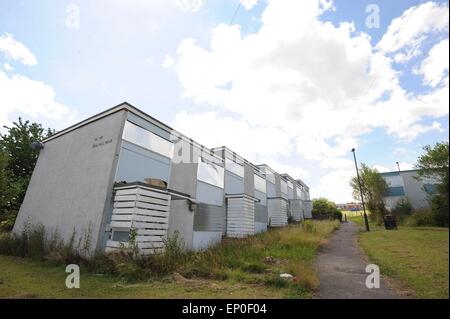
(122, 170)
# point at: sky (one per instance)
(292, 84)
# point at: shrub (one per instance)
(421, 218)
(276, 281)
(402, 209)
(309, 226)
(439, 209)
(436, 215)
(7, 220)
(337, 214)
(33, 242)
(29, 243)
(325, 209)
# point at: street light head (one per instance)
(353, 150)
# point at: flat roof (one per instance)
(272, 170)
(227, 149)
(398, 172)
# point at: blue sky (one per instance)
(294, 84)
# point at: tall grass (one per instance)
(258, 259)
(33, 242)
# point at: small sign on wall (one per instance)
(101, 141)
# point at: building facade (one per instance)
(122, 170)
(408, 185)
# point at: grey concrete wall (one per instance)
(414, 191)
(249, 180)
(210, 218)
(183, 171)
(271, 190)
(71, 186)
(277, 186)
(181, 220)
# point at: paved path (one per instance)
(341, 266)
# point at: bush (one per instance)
(33, 242)
(7, 220)
(436, 215)
(325, 209)
(309, 226)
(337, 214)
(421, 218)
(402, 209)
(439, 209)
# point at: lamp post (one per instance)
(398, 166)
(366, 221)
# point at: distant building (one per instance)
(354, 207)
(407, 184)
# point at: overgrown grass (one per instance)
(256, 261)
(262, 258)
(416, 256)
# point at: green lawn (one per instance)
(235, 269)
(417, 256)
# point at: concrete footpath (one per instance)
(341, 266)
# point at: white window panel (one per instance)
(290, 185)
(284, 187)
(394, 180)
(260, 184)
(234, 167)
(139, 136)
(299, 192)
(210, 173)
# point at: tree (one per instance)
(16, 143)
(17, 161)
(373, 188)
(434, 165)
(402, 209)
(323, 208)
(8, 195)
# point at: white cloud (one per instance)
(382, 168)
(149, 60)
(189, 5)
(434, 67)
(336, 162)
(15, 50)
(406, 166)
(295, 171)
(321, 86)
(168, 62)
(255, 143)
(408, 31)
(32, 98)
(248, 4)
(335, 186)
(8, 67)
(21, 94)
